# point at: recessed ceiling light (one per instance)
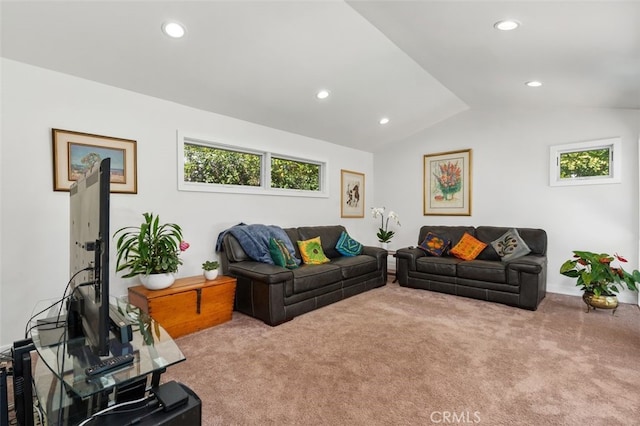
(506, 25)
(323, 94)
(533, 83)
(384, 120)
(173, 29)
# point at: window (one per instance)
(214, 167)
(586, 163)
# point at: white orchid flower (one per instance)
(394, 216)
(377, 211)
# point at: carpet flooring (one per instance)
(399, 356)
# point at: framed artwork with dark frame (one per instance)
(76, 153)
(447, 183)
(351, 194)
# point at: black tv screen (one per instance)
(89, 248)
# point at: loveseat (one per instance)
(275, 294)
(519, 282)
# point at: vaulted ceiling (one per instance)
(415, 62)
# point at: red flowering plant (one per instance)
(449, 180)
(600, 274)
(151, 248)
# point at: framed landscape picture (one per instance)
(75, 154)
(447, 183)
(351, 194)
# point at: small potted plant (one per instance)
(600, 276)
(210, 268)
(150, 251)
(384, 234)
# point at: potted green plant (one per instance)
(210, 268)
(384, 234)
(150, 251)
(601, 277)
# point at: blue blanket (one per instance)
(254, 240)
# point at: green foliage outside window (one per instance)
(290, 174)
(588, 163)
(208, 164)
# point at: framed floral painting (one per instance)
(447, 183)
(352, 194)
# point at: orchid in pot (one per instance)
(150, 251)
(384, 234)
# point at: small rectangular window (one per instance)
(207, 164)
(585, 163)
(294, 174)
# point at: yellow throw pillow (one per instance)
(468, 248)
(311, 252)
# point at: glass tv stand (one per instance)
(66, 394)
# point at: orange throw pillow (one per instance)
(468, 248)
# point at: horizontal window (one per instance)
(214, 167)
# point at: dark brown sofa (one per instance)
(275, 294)
(521, 282)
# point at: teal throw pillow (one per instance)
(510, 246)
(280, 254)
(347, 246)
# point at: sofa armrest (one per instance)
(410, 255)
(379, 253)
(258, 271)
(533, 264)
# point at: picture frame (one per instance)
(351, 194)
(75, 153)
(447, 183)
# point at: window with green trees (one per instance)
(586, 163)
(218, 166)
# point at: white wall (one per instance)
(34, 219)
(510, 167)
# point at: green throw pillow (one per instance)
(347, 246)
(280, 254)
(311, 252)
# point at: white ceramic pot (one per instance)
(211, 275)
(384, 246)
(157, 281)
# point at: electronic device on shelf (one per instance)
(109, 364)
(89, 249)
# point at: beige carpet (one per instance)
(398, 356)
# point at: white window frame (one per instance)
(615, 162)
(265, 179)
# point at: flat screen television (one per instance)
(89, 248)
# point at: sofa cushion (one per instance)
(311, 251)
(510, 245)
(355, 266)
(311, 277)
(483, 270)
(438, 265)
(468, 248)
(280, 254)
(434, 244)
(347, 246)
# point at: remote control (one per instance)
(109, 364)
